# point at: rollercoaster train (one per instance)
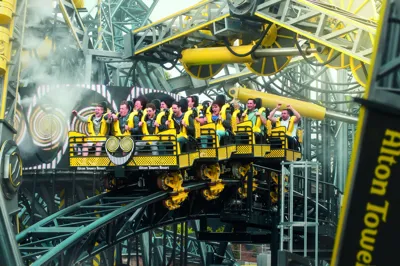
(174, 164)
(58, 137)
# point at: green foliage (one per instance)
(167, 75)
(179, 228)
(220, 229)
(236, 254)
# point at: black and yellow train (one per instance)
(232, 157)
(128, 159)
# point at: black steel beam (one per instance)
(110, 222)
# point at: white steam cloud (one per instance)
(38, 11)
(45, 50)
(44, 60)
(64, 98)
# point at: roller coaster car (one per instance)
(155, 152)
(210, 148)
(250, 144)
(279, 145)
(163, 152)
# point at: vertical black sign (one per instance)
(371, 234)
(368, 231)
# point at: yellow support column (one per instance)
(306, 109)
(79, 3)
(215, 55)
(7, 8)
(4, 49)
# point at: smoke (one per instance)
(27, 153)
(32, 39)
(49, 60)
(25, 102)
(39, 11)
(48, 55)
(64, 98)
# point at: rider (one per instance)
(287, 121)
(182, 121)
(98, 124)
(150, 126)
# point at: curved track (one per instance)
(91, 226)
(85, 229)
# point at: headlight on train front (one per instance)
(112, 144)
(126, 144)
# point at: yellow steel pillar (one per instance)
(10, 160)
(306, 109)
(10, 50)
(7, 8)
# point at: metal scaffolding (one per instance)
(90, 46)
(290, 220)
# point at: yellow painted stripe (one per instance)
(372, 38)
(96, 259)
(62, 199)
(275, 64)
(284, 36)
(115, 256)
(358, 67)
(361, 6)
(69, 23)
(264, 62)
(6, 74)
(349, 5)
(354, 155)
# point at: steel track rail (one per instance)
(87, 220)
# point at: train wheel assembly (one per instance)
(244, 171)
(213, 173)
(173, 180)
